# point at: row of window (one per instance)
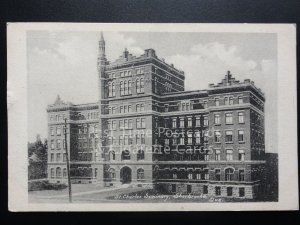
(229, 136)
(58, 157)
(58, 144)
(126, 108)
(140, 174)
(229, 118)
(126, 87)
(189, 122)
(229, 100)
(59, 117)
(204, 175)
(126, 139)
(125, 155)
(127, 124)
(126, 73)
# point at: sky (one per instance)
(65, 62)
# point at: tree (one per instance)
(37, 159)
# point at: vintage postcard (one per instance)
(152, 117)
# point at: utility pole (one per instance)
(68, 164)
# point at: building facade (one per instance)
(147, 130)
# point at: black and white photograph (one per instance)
(165, 114)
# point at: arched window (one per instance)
(140, 155)
(58, 172)
(65, 172)
(122, 87)
(125, 88)
(129, 87)
(229, 174)
(112, 155)
(113, 89)
(112, 174)
(125, 155)
(142, 85)
(140, 174)
(138, 90)
(109, 89)
(52, 172)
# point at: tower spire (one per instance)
(102, 46)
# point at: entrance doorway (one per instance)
(125, 175)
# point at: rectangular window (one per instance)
(197, 121)
(217, 174)
(206, 175)
(231, 101)
(218, 155)
(52, 144)
(64, 157)
(226, 101)
(181, 122)
(174, 123)
(64, 143)
(190, 176)
(52, 131)
(241, 175)
(182, 141)
(114, 124)
(229, 191)
(242, 192)
(217, 136)
(241, 100)
(58, 143)
(143, 123)
(138, 123)
(190, 138)
(130, 124)
(228, 118)
(142, 107)
(205, 104)
(174, 140)
(52, 157)
(138, 139)
(205, 189)
(167, 141)
(241, 117)
(121, 124)
(121, 140)
(241, 136)
(198, 137)
(217, 102)
(142, 139)
(58, 157)
(58, 131)
(217, 119)
(114, 110)
(173, 188)
(228, 136)
(190, 122)
(205, 121)
(229, 155)
(218, 191)
(241, 155)
(189, 188)
(126, 123)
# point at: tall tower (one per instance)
(102, 62)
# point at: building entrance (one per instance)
(125, 175)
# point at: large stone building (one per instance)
(147, 130)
